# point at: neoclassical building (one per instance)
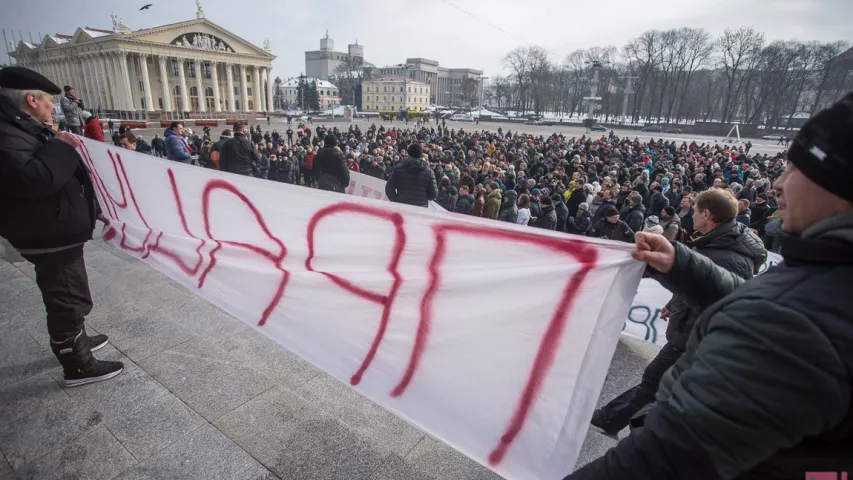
(394, 93)
(193, 66)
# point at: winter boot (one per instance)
(78, 364)
(96, 342)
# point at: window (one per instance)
(206, 71)
(377, 98)
(368, 89)
(208, 98)
(235, 75)
(385, 89)
(160, 101)
(175, 68)
(141, 87)
(409, 90)
(194, 99)
(176, 101)
(401, 89)
(392, 98)
(142, 103)
(251, 106)
(248, 78)
(192, 70)
(384, 98)
(237, 92)
(237, 105)
(249, 90)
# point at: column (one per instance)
(244, 92)
(167, 89)
(185, 94)
(259, 94)
(199, 84)
(89, 97)
(91, 82)
(270, 103)
(125, 78)
(214, 67)
(119, 96)
(109, 88)
(229, 82)
(146, 83)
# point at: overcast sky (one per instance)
(444, 30)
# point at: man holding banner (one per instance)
(765, 387)
(47, 212)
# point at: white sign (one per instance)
(371, 187)
(644, 316)
(493, 337)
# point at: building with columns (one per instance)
(194, 66)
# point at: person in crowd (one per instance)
(93, 129)
(465, 204)
(581, 223)
(72, 108)
(111, 125)
(216, 148)
(158, 145)
(412, 182)
(116, 138)
(479, 200)
(41, 173)
(448, 195)
(685, 213)
(142, 146)
(561, 210)
(523, 217)
(548, 217)
(652, 225)
(670, 223)
(636, 213)
(743, 214)
(612, 228)
(128, 141)
(509, 208)
(658, 201)
(493, 201)
(763, 389)
(238, 155)
(603, 198)
(535, 202)
(177, 148)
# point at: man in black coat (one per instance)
(47, 212)
(764, 389)
(238, 155)
(636, 213)
(330, 167)
(412, 182)
(657, 202)
(561, 210)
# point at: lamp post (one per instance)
(482, 89)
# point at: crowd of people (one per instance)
(756, 380)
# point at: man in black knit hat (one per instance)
(764, 389)
(330, 167)
(412, 182)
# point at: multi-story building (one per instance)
(328, 94)
(394, 92)
(192, 66)
(323, 63)
(454, 87)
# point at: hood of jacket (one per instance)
(733, 236)
(546, 210)
(467, 198)
(495, 194)
(639, 208)
(170, 133)
(511, 197)
(414, 165)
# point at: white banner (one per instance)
(495, 338)
(644, 320)
(371, 187)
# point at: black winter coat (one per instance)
(613, 231)
(239, 156)
(46, 196)
(330, 169)
(562, 215)
(465, 205)
(547, 219)
(575, 199)
(635, 218)
(580, 224)
(657, 203)
(732, 246)
(412, 183)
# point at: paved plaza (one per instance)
(203, 396)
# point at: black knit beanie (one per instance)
(823, 148)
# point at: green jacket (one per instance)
(493, 205)
(509, 211)
(763, 390)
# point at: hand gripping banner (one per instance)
(495, 338)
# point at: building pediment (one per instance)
(199, 34)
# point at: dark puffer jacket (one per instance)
(763, 390)
(412, 183)
(330, 169)
(465, 205)
(46, 196)
(239, 156)
(635, 217)
(732, 246)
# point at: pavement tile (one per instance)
(396, 468)
(131, 389)
(22, 305)
(436, 459)
(367, 418)
(254, 472)
(23, 398)
(43, 431)
(203, 454)
(295, 440)
(154, 426)
(21, 357)
(140, 330)
(8, 271)
(4, 466)
(207, 378)
(94, 456)
(204, 320)
(269, 358)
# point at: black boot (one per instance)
(96, 342)
(78, 364)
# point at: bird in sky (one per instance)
(146, 7)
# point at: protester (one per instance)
(465, 204)
(412, 182)
(636, 213)
(48, 211)
(670, 223)
(581, 223)
(493, 201)
(93, 129)
(509, 207)
(561, 210)
(523, 217)
(447, 196)
(158, 145)
(177, 148)
(330, 167)
(238, 155)
(548, 217)
(652, 225)
(610, 227)
(763, 389)
(128, 142)
(72, 108)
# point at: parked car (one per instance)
(532, 121)
(653, 128)
(598, 128)
(674, 130)
(774, 136)
(461, 117)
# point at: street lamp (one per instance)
(482, 89)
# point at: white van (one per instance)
(461, 117)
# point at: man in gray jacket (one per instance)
(72, 108)
(765, 387)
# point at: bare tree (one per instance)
(739, 51)
(829, 72)
(348, 77)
